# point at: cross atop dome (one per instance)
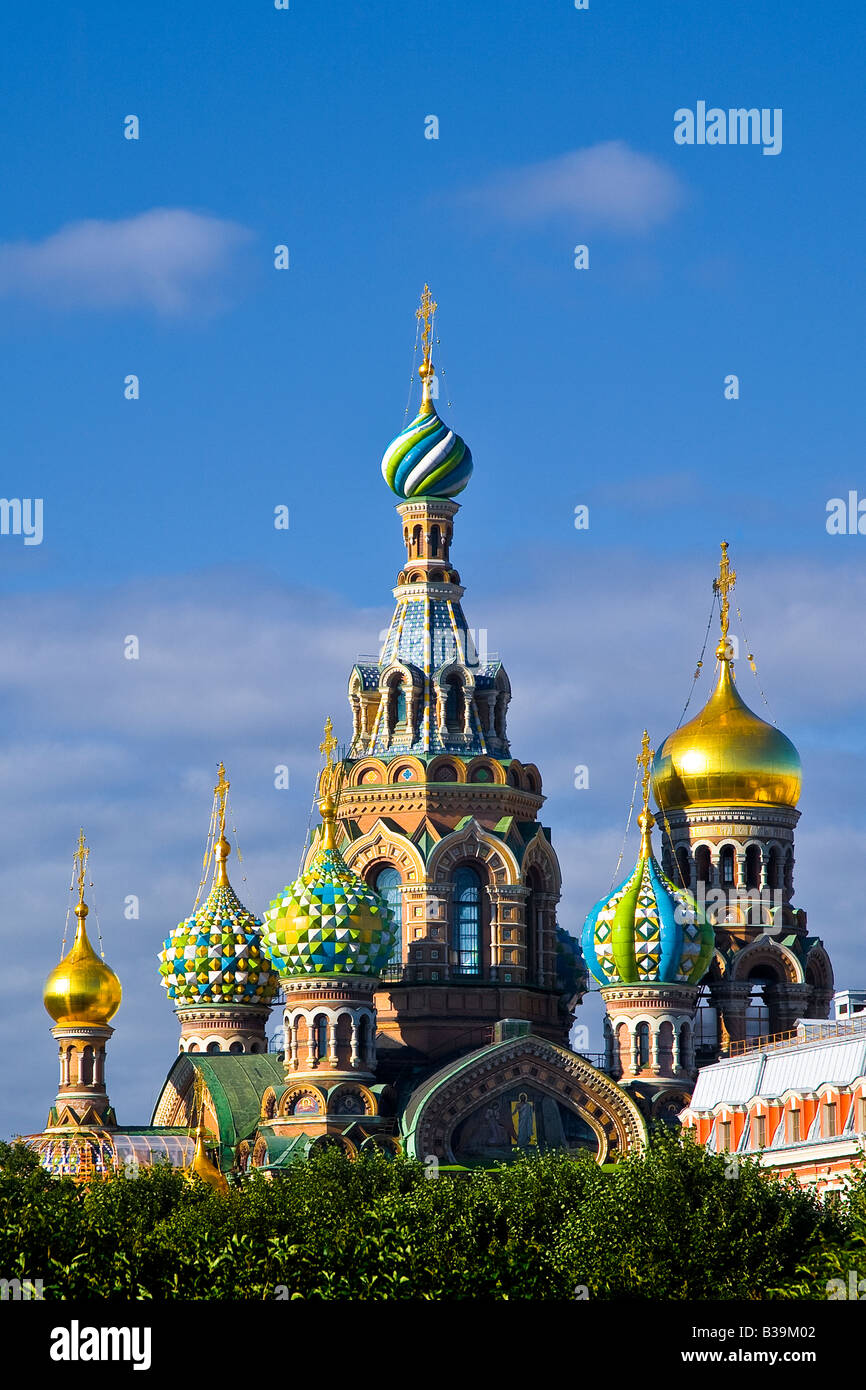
(427, 459)
(722, 587)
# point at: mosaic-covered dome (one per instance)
(647, 931)
(329, 922)
(216, 956)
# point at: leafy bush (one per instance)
(669, 1224)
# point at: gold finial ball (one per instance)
(327, 807)
(425, 370)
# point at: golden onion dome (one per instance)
(726, 755)
(82, 988)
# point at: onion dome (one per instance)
(726, 755)
(329, 922)
(82, 988)
(427, 459)
(216, 956)
(647, 931)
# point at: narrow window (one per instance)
(643, 1044)
(466, 938)
(387, 885)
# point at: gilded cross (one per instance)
(722, 586)
(644, 761)
(81, 856)
(328, 744)
(427, 310)
(222, 790)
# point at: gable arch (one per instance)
(456, 1094)
(769, 954)
(384, 846)
(541, 856)
(473, 842)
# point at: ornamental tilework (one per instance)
(647, 931)
(216, 956)
(328, 922)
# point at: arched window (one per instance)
(417, 533)
(236, 1047)
(684, 867)
(454, 704)
(773, 868)
(726, 865)
(86, 1077)
(387, 884)
(533, 926)
(434, 542)
(753, 866)
(322, 1038)
(213, 1047)
(399, 706)
(466, 930)
(702, 864)
(789, 872)
(643, 1044)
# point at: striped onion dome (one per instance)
(648, 931)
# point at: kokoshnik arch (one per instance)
(426, 990)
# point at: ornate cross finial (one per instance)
(328, 744)
(722, 586)
(221, 790)
(82, 854)
(425, 313)
(644, 760)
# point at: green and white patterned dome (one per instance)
(647, 931)
(217, 956)
(329, 922)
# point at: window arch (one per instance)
(773, 868)
(643, 1044)
(726, 866)
(213, 1047)
(703, 864)
(236, 1046)
(466, 928)
(387, 883)
(753, 866)
(321, 1036)
(684, 867)
(434, 542)
(86, 1076)
(454, 704)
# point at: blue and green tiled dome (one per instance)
(216, 956)
(328, 922)
(647, 931)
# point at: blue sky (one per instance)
(260, 387)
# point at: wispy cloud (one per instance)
(166, 259)
(608, 185)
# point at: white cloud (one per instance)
(608, 185)
(166, 259)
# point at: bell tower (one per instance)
(727, 784)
